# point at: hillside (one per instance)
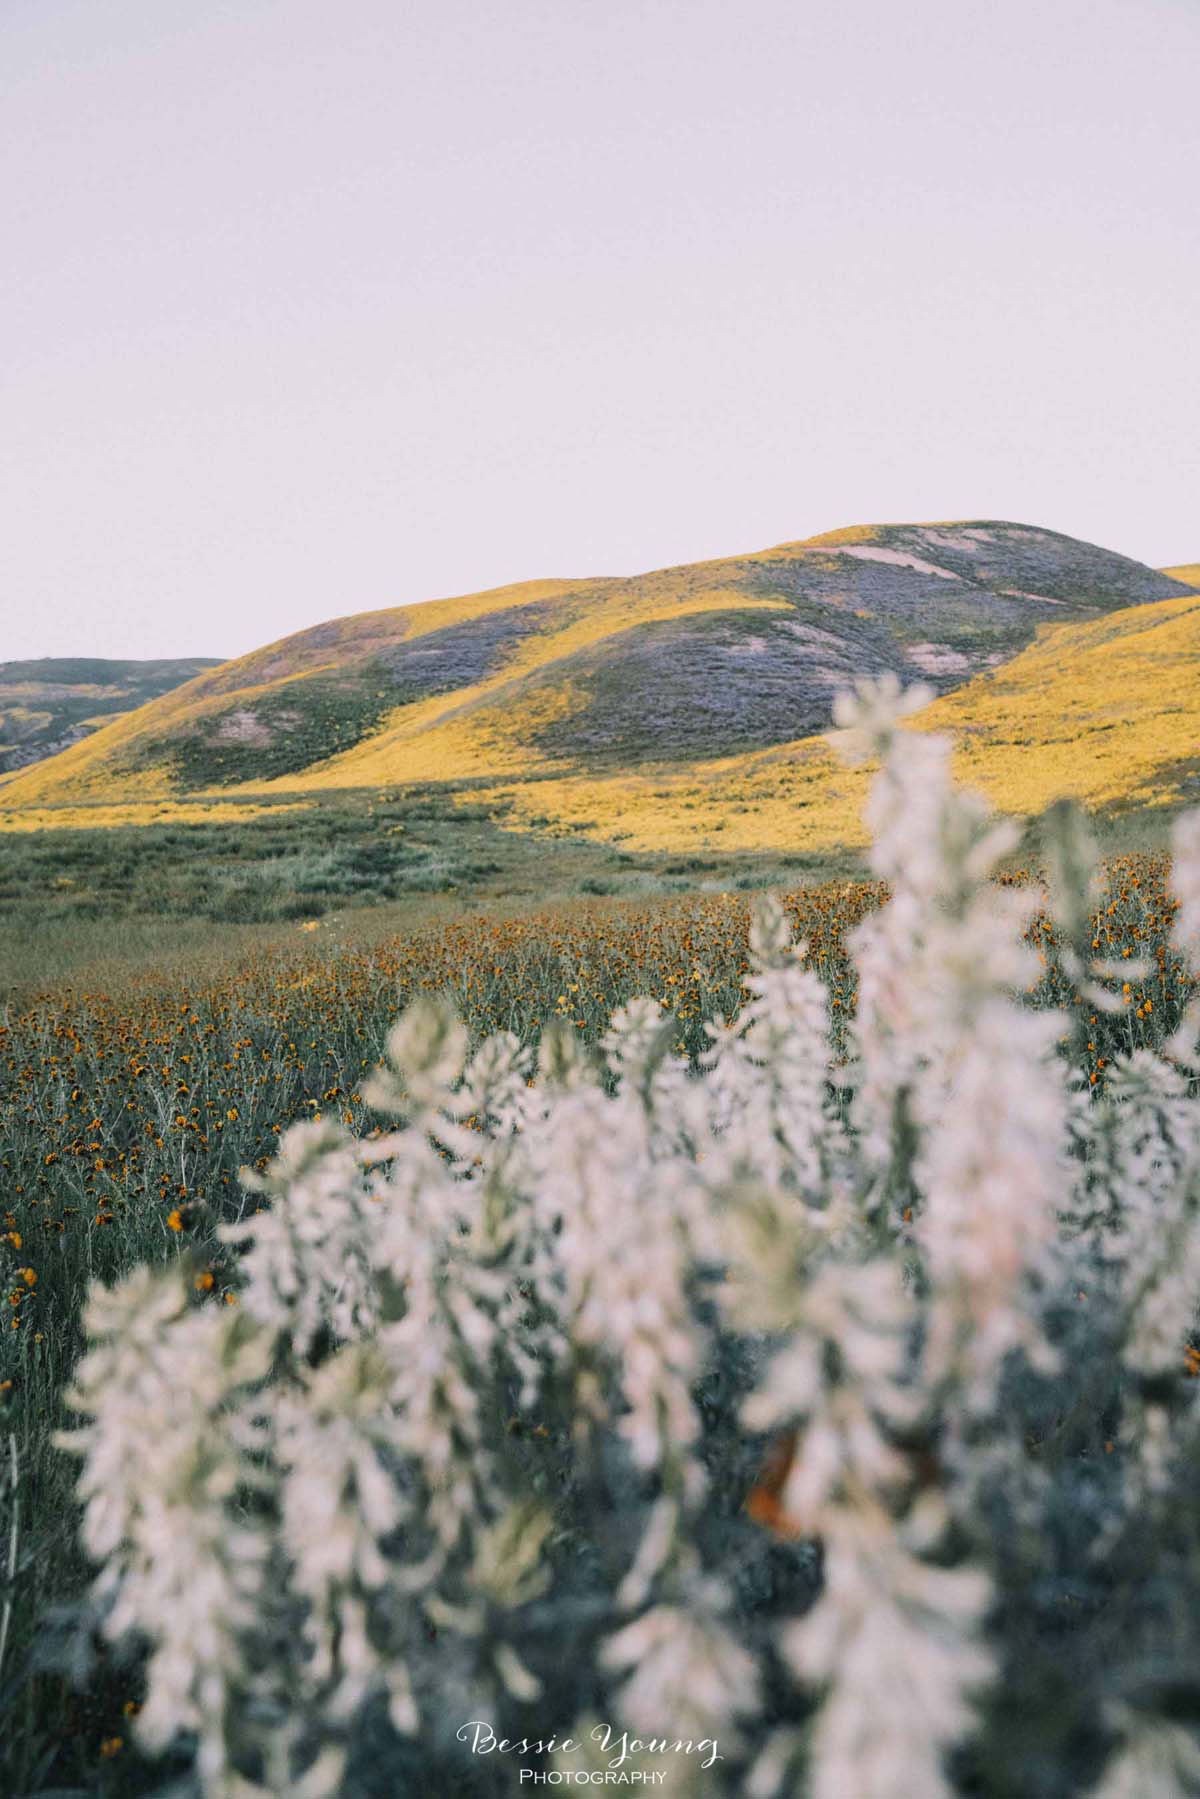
(1106, 710)
(49, 704)
(591, 679)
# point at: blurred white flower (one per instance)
(1157, 1761)
(686, 1674)
(1185, 883)
(372, 1480)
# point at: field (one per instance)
(77, 897)
(189, 975)
(130, 1105)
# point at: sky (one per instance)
(316, 306)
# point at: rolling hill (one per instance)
(569, 699)
(47, 705)
(1106, 711)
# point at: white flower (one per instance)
(868, 715)
(1185, 883)
(1157, 1761)
(162, 1482)
(896, 1643)
(307, 1267)
(686, 1674)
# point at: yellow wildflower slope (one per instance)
(1107, 711)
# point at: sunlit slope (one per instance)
(1107, 711)
(1187, 572)
(299, 695)
(682, 666)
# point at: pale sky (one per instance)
(313, 306)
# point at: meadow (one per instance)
(134, 1096)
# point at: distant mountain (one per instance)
(596, 676)
(1187, 572)
(49, 704)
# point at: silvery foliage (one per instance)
(373, 1481)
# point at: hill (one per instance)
(49, 704)
(1107, 711)
(591, 679)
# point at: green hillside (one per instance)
(48, 704)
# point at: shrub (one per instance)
(821, 1419)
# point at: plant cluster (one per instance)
(289, 862)
(825, 1404)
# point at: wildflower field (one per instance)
(818, 1384)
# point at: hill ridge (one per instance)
(696, 660)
